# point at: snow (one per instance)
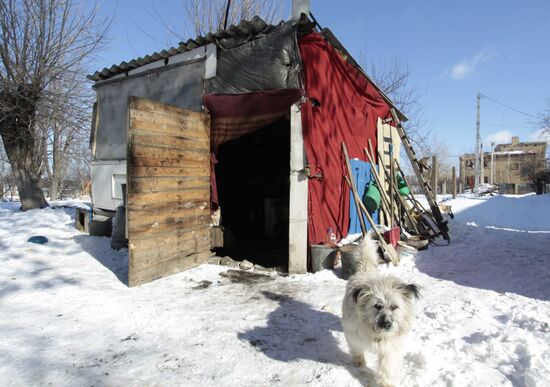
(68, 319)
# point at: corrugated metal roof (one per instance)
(249, 28)
(246, 29)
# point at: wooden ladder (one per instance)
(428, 192)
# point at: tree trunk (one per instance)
(54, 185)
(26, 177)
(19, 143)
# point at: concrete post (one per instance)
(453, 181)
(297, 217)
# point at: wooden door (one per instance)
(168, 186)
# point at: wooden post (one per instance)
(297, 211)
(453, 181)
(434, 177)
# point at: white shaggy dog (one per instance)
(377, 314)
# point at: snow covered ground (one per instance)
(67, 318)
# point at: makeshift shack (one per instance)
(249, 121)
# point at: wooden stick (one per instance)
(392, 253)
(415, 203)
(353, 188)
(383, 193)
(388, 215)
(406, 209)
(390, 179)
(400, 199)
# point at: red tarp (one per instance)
(347, 110)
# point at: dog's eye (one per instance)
(378, 306)
(394, 307)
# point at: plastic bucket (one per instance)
(322, 257)
(371, 198)
(392, 236)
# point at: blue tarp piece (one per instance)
(362, 173)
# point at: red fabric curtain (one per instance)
(343, 107)
(235, 115)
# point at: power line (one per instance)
(507, 106)
(505, 125)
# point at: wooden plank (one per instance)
(139, 276)
(151, 184)
(154, 138)
(141, 208)
(151, 217)
(179, 237)
(151, 229)
(162, 109)
(144, 161)
(145, 258)
(143, 200)
(161, 171)
(162, 125)
(177, 155)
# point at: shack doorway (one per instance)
(252, 181)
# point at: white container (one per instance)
(405, 251)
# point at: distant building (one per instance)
(512, 167)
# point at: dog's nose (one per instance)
(385, 324)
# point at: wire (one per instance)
(507, 106)
(505, 125)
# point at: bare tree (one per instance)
(543, 119)
(44, 46)
(65, 128)
(6, 176)
(209, 15)
(392, 77)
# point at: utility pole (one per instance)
(434, 176)
(492, 162)
(453, 182)
(477, 152)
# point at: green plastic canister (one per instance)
(371, 198)
(402, 186)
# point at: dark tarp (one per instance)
(268, 62)
(256, 82)
(343, 107)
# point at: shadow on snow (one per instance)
(296, 331)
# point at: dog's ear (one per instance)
(357, 291)
(410, 290)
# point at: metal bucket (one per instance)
(351, 261)
(322, 257)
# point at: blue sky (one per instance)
(453, 50)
